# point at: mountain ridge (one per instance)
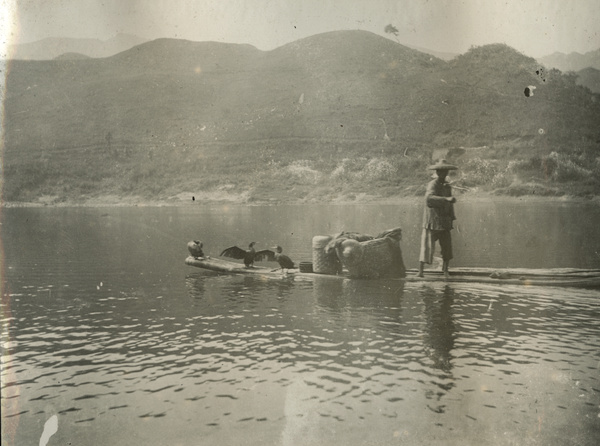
(53, 47)
(338, 113)
(573, 61)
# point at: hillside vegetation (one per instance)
(590, 78)
(340, 115)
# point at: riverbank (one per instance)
(190, 199)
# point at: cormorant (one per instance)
(284, 261)
(250, 255)
(195, 248)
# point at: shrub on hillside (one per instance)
(364, 169)
(347, 169)
(568, 167)
(378, 169)
(483, 172)
(302, 172)
(560, 167)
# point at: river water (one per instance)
(109, 338)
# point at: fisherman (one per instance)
(437, 218)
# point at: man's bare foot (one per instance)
(421, 266)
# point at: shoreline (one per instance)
(113, 201)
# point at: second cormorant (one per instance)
(284, 261)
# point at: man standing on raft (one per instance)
(437, 218)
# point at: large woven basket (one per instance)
(323, 263)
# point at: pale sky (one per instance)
(534, 27)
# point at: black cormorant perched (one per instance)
(284, 261)
(195, 248)
(249, 255)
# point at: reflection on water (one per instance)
(439, 327)
(127, 346)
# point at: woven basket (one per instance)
(322, 263)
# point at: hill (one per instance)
(590, 78)
(71, 56)
(53, 47)
(336, 115)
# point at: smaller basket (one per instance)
(305, 267)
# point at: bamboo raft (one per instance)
(554, 277)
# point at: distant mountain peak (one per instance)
(72, 56)
(573, 61)
(54, 47)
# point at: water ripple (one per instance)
(245, 351)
